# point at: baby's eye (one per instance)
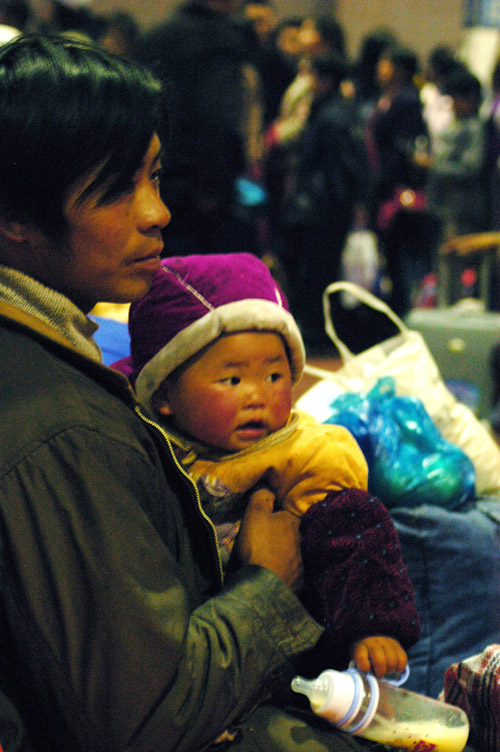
(231, 380)
(273, 377)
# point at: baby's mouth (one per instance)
(252, 429)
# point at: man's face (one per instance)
(113, 249)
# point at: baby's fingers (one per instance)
(384, 656)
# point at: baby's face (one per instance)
(236, 393)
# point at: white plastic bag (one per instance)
(361, 263)
(408, 360)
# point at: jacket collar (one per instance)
(13, 313)
(42, 331)
(50, 306)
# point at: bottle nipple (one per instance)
(315, 689)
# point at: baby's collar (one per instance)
(191, 450)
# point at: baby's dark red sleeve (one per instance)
(356, 583)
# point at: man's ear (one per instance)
(14, 230)
(23, 246)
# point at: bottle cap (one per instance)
(337, 696)
(334, 695)
(369, 712)
(343, 703)
(344, 697)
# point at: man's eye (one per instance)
(156, 175)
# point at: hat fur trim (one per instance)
(238, 316)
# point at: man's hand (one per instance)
(380, 655)
(270, 539)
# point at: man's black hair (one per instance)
(68, 109)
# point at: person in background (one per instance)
(437, 105)
(493, 153)
(214, 354)
(283, 53)
(457, 174)
(119, 35)
(396, 134)
(330, 187)
(69, 16)
(204, 57)
(364, 72)
(395, 124)
(118, 631)
(274, 67)
(317, 35)
(320, 34)
(261, 15)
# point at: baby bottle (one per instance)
(360, 704)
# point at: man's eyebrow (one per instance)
(159, 156)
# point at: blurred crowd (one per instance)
(276, 142)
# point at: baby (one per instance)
(215, 353)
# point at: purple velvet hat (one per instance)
(195, 299)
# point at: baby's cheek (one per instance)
(281, 406)
(223, 409)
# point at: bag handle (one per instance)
(364, 297)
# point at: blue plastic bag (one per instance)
(409, 461)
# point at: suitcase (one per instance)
(461, 342)
(478, 253)
(458, 333)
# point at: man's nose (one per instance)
(155, 213)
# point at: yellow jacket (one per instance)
(300, 463)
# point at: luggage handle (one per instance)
(364, 297)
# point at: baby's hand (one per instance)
(379, 655)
